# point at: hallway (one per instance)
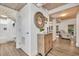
(63, 47)
(9, 49)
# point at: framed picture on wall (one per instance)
(5, 28)
(13, 24)
(39, 20)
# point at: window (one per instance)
(71, 29)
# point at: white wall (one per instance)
(34, 29)
(11, 14)
(77, 30)
(64, 24)
(28, 29)
(24, 29)
(9, 34)
(54, 29)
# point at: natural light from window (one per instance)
(5, 21)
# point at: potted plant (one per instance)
(41, 29)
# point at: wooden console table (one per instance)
(44, 43)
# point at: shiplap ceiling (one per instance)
(66, 14)
(18, 6)
(15, 6)
(71, 12)
(50, 6)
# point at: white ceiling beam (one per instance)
(64, 7)
(40, 4)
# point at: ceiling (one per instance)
(18, 6)
(50, 6)
(71, 13)
(15, 6)
(66, 14)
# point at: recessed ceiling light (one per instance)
(63, 14)
(3, 16)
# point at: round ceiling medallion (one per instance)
(39, 20)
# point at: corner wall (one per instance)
(28, 29)
(34, 29)
(23, 30)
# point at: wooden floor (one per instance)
(64, 47)
(9, 49)
(60, 48)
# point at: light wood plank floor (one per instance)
(60, 48)
(9, 49)
(64, 47)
